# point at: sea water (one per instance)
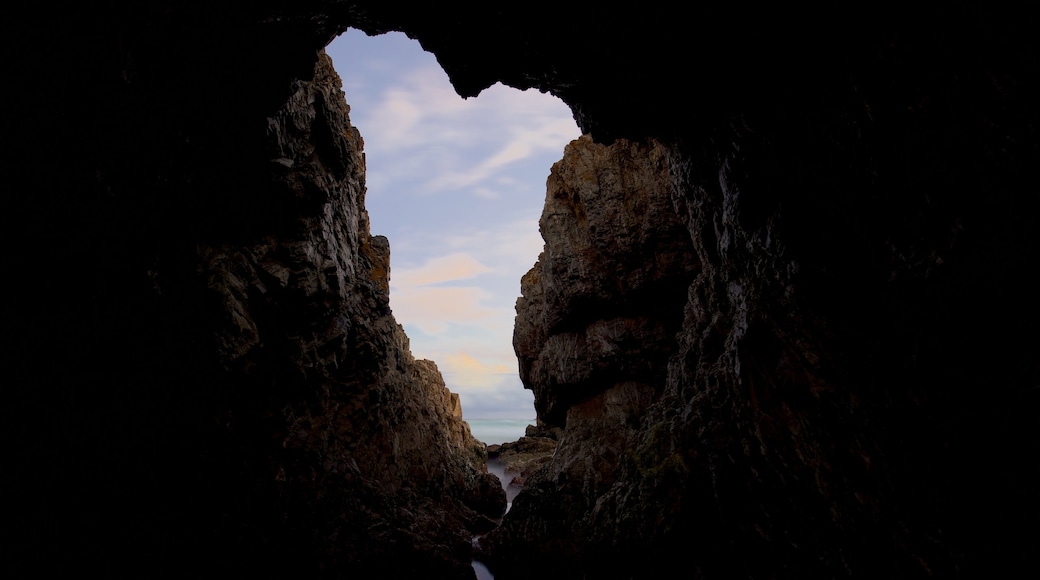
(482, 572)
(498, 431)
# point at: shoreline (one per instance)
(513, 463)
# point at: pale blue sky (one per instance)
(457, 185)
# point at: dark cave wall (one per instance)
(203, 369)
(196, 343)
(859, 196)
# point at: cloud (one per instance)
(469, 293)
(486, 193)
(464, 372)
(457, 186)
(488, 394)
(396, 119)
(462, 362)
(454, 143)
(434, 310)
(538, 129)
(512, 246)
(457, 266)
(508, 400)
(420, 107)
(417, 297)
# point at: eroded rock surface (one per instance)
(595, 329)
(601, 305)
(810, 415)
(356, 420)
(834, 375)
(245, 400)
(521, 459)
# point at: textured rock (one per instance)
(522, 458)
(810, 420)
(595, 329)
(249, 402)
(601, 306)
(839, 381)
(366, 419)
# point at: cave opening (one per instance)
(457, 186)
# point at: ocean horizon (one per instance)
(498, 431)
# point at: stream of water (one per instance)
(491, 432)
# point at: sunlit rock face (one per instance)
(604, 302)
(832, 375)
(595, 328)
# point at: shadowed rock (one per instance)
(783, 316)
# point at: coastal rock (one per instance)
(356, 420)
(805, 419)
(816, 360)
(596, 325)
(595, 329)
(602, 304)
(522, 458)
(254, 407)
(543, 429)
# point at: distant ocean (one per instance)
(498, 431)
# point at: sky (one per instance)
(457, 186)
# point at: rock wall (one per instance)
(603, 304)
(832, 403)
(595, 329)
(783, 316)
(206, 372)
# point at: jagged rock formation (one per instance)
(602, 305)
(521, 459)
(596, 327)
(239, 398)
(833, 376)
(517, 461)
(811, 415)
(353, 419)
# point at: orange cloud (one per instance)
(464, 372)
(433, 309)
(448, 268)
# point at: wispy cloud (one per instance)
(427, 297)
(457, 266)
(538, 129)
(420, 112)
(467, 296)
(513, 246)
(507, 399)
(486, 390)
(467, 373)
(434, 309)
(404, 113)
(457, 186)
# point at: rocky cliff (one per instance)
(224, 385)
(783, 313)
(779, 361)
